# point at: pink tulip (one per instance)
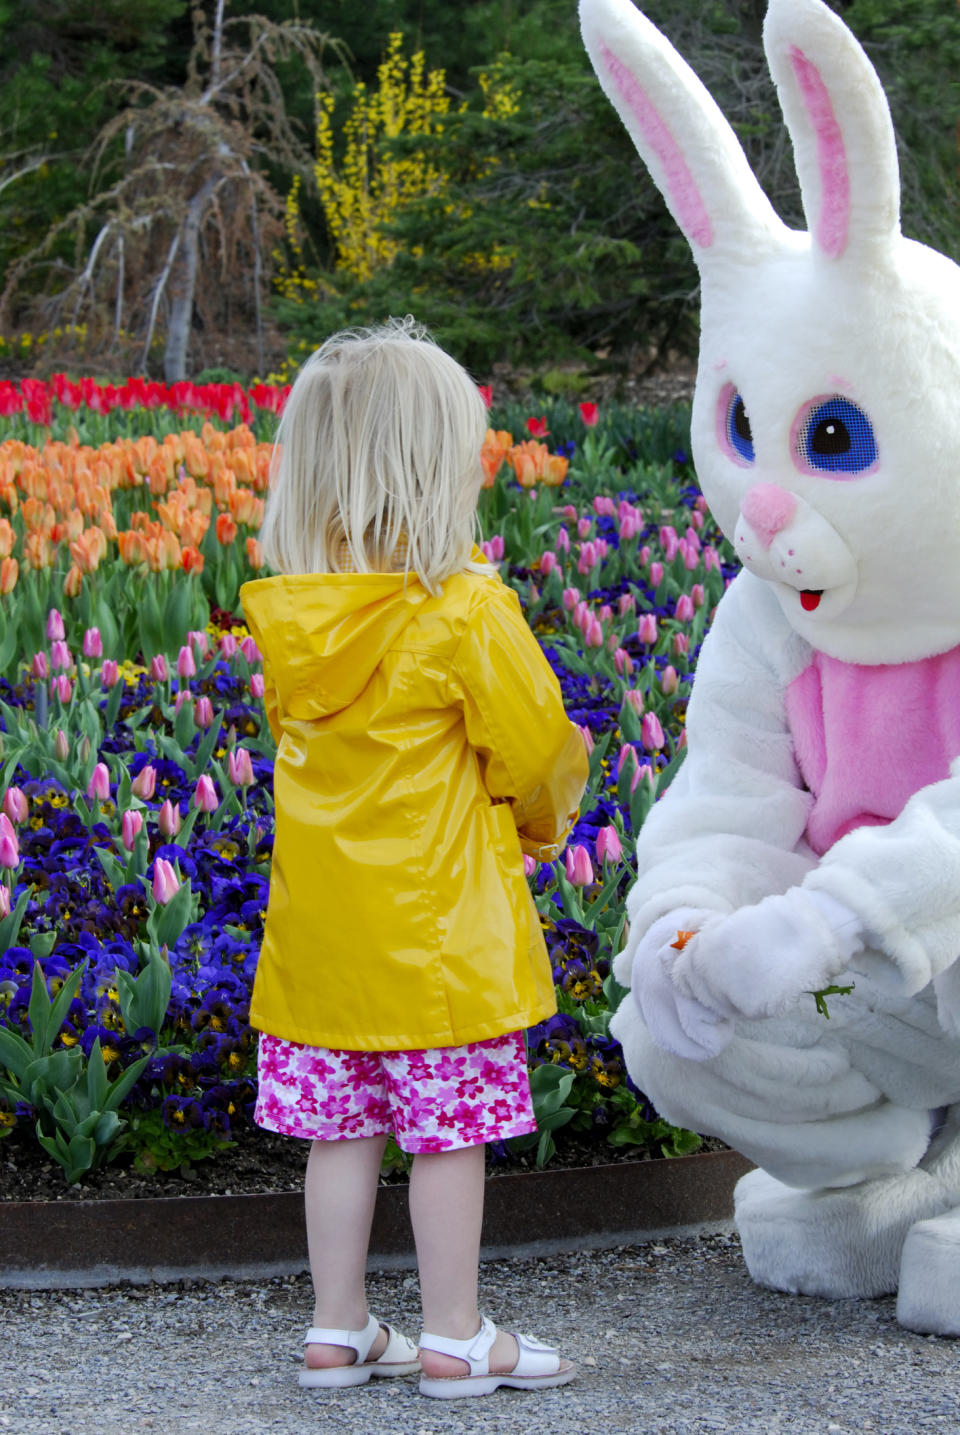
(60, 657)
(604, 507)
(159, 671)
(203, 712)
(644, 555)
(583, 527)
(571, 597)
(198, 639)
(629, 527)
(240, 767)
(680, 645)
(186, 665)
(587, 736)
(169, 819)
(257, 685)
(696, 518)
(563, 541)
(253, 654)
(651, 733)
(61, 746)
(684, 609)
(711, 559)
(669, 682)
(529, 865)
(647, 629)
(184, 696)
(642, 774)
(635, 698)
(4, 901)
(55, 630)
(609, 846)
(92, 643)
(691, 556)
(228, 646)
(623, 662)
(39, 667)
(109, 673)
(205, 794)
(692, 536)
(698, 595)
(62, 687)
(145, 783)
(130, 824)
(548, 562)
(569, 513)
(15, 806)
(9, 845)
(669, 541)
(99, 785)
(606, 613)
(626, 603)
(578, 865)
(166, 883)
(593, 637)
(627, 755)
(656, 574)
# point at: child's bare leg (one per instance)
(341, 1189)
(446, 1211)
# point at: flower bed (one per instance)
(136, 785)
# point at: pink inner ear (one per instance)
(833, 221)
(679, 184)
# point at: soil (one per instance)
(627, 378)
(258, 1162)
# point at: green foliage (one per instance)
(72, 1094)
(157, 1147)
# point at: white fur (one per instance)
(851, 311)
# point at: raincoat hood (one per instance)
(324, 634)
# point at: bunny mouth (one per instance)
(810, 598)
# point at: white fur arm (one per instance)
(729, 830)
(903, 881)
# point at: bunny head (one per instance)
(826, 416)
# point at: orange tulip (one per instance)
(192, 560)
(7, 538)
(254, 553)
(226, 529)
(496, 446)
(555, 470)
(9, 573)
(73, 582)
(196, 460)
(193, 528)
(130, 546)
(242, 504)
(37, 551)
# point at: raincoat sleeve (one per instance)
(530, 753)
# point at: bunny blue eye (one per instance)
(835, 436)
(736, 435)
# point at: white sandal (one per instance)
(399, 1355)
(538, 1366)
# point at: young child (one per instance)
(422, 749)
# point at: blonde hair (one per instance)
(377, 465)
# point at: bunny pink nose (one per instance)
(768, 510)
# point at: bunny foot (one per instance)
(837, 1241)
(929, 1296)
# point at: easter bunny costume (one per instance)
(813, 833)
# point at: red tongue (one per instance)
(810, 598)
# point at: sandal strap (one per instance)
(534, 1357)
(475, 1351)
(358, 1340)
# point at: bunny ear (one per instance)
(839, 121)
(689, 147)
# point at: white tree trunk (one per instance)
(184, 286)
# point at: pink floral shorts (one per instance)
(437, 1100)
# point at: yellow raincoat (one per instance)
(422, 745)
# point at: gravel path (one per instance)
(669, 1337)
